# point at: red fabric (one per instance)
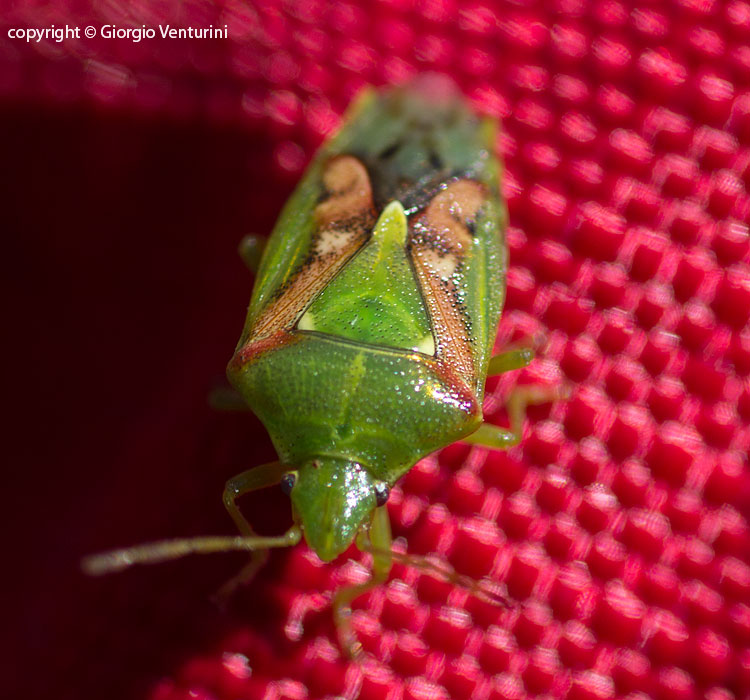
(619, 526)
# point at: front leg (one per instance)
(250, 480)
(381, 542)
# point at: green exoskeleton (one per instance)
(371, 325)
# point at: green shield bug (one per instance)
(369, 334)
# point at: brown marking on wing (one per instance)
(440, 240)
(350, 193)
(344, 221)
(451, 210)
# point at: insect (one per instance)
(370, 329)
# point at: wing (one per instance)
(343, 221)
(321, 200)
(427, 152)
(440, 242)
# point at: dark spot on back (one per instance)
(388, 152)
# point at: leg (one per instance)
(383, 557)
(251, 251)
(224, 398)
(250, 480)
(491, 436)
(253, 479)
(488, 435)
(155, 552)
(509, 360)
(382, 560)
(443, 570)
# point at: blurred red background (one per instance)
(619, 526)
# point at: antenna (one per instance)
(166, 550)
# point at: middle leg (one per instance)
(489, 435)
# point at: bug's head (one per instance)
(332, 499)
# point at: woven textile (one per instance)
(619, 526)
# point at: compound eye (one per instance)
(287, 482)
(382, 491)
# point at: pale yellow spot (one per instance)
(426, 345)
(307, 322)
